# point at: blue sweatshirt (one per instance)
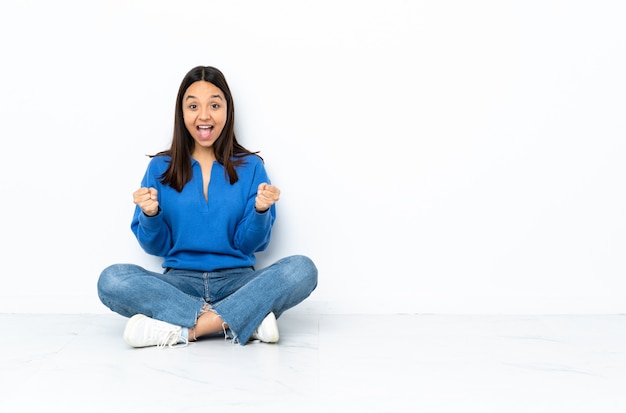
(194, 234)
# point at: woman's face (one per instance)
(204, 112)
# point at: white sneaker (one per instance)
(267, 331)
(143, 331)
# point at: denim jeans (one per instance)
(242, 297)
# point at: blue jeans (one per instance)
(242, 297)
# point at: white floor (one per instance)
(384, 363)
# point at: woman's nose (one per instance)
(205, 113)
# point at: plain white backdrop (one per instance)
(434, 156)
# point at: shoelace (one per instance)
(171, 339)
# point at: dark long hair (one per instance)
(228, 151)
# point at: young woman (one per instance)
(206, 205)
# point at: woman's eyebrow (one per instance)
(212, 96)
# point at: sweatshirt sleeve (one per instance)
(254, 230)
(152, 233)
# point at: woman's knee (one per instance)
(303, 269)
(113, 277)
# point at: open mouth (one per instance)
(204, 131)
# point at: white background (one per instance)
(433, 156)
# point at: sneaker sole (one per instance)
(130, 325)
(268, 330)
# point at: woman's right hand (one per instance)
(146, 199)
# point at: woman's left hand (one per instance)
(266, 196)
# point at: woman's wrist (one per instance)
(153, 214)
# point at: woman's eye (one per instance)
(193, 106)
(215, 105)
